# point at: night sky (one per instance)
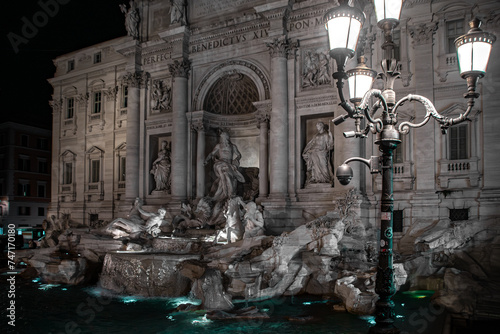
(72, 25)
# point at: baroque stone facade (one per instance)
(260, 71)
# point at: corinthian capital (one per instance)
(56, 104)
(422, 33)
(179, 69)
(136, 79)
(281, 47)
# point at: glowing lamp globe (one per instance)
(473, 50)
(360, 80)
(343, 24)
(388, 12)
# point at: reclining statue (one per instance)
(133, 226)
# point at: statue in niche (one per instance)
(161, 97)
(133, 226)
(131, 19)
(253, 220)
(178, 12)
(317, 156)
(161, 168)
(226, 158)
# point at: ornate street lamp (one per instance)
(343, 24)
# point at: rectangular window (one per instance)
(24, 211)
(23, 189)
(68, 173)
(97, 103)
(398, 154)
(70, 108)
(42, 166)
(23, 164)
(93, 217)
(95, 169)
(71, 65)
(458, 142)
(454, 29)
(397, 222)
(97, 57)
(122, 169)
(42, 143)
(25, 140)
(459, 214)
(41, 212)
(124, 96)
(41, 190)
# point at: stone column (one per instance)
(263, 116)
(179, 71)
(200, 157)
(278, 174)
(426, 137)
(134, 81)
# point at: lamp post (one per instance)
(344, 25)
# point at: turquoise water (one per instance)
(42, 308)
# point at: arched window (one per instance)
(232, 94)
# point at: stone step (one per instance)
(488, 308)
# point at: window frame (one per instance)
(450, 38)
(97, 103)
(456, 147)
(70, 108)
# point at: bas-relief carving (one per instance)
(161, 96)
(316, 69)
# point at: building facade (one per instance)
(25, 160)
(260, 70)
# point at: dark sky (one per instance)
(69, 26)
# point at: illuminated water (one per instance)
(56, 309)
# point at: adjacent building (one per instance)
(25, 163)
(260, 70)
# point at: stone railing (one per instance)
(461, 173)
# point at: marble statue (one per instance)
(161, 168)
(134, 225)
(233, 231)
(317, 156)
(225, 168)
(178, 12)
(131, 19)
(154, 222)
(196, 218)
(253, 220)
